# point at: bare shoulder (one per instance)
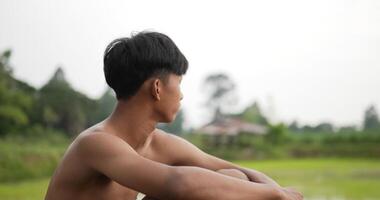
(88, 150)
(89, 138)
(96, 144)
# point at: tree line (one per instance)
(25, 109)
(54, 106)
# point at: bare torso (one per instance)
(74, 180)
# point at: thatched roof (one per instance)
(231, 126)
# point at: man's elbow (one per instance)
(188, 183)
(178, 184)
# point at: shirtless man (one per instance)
(125, 154)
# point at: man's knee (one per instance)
(233, 173)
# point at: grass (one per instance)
(318, 179)
(356, 179)
(25, 190)
(24, 159)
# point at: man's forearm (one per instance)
(201, 184)
(228, 172)
(253, 175)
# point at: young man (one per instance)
(125, 154)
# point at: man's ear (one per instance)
(156, 89)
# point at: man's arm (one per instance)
(257, 176)
(115, 159)
(184, 153)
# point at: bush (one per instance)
(280, 144)
(30, 156)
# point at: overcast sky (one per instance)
(309, 61)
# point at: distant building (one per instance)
(232, 127)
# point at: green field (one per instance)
(318, 179)
(351, 179)
(25, 190)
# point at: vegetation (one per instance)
(56, 105)
(282, 144)
(352, 179)
(220, 91)
(31, 157)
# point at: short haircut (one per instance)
(129, 62)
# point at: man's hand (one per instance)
(258, 177)
(291, 194)
(287, 192)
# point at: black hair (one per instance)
(129, 62)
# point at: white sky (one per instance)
(307, 60)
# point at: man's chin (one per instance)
(168, 120)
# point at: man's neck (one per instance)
(133, 121)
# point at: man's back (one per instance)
(73, 179)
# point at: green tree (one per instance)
(348, 129)
(294, 127)
(14, 102)
(324, 127)
(253, 114)
(64, 108)
(105, 105)
(220, 91)
(371, 119)
(276, 134)
(5, 69)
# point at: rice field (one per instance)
(330, 179)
